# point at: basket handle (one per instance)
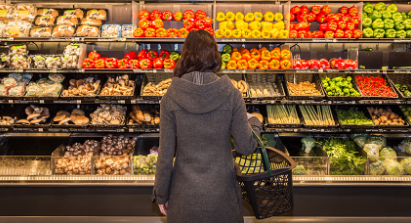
(264, 153)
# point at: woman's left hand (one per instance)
(163, 208)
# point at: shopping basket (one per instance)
(266, 181)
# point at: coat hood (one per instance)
(198, 99)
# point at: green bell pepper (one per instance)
(407, 24)
(378, 24)
(175, 56)
(367, 22)
(399, 25)
(388, 24)
(364, 15)
(401, 34)
(386, 15)
(375, 15)
(390, 33)
(404, 16)
(368, 7)
(397, 16)
(380, 6)
(379, 33)
(368, 33)
(408, 33)
(409, 14)
(226, 57)
(392, 8)
(223, 66)
(349, 78)
(228, 49)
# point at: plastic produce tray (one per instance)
(138, 125)
(278, 125)
(12, 111)
(132, 77)
(154, 79)
(66, 84)
(238, 77)
(320, 126)
(402, 79)
(340, 98)
(267, 81)
(69, 108)
(298, 78)
(394, 109)
(358, 108)
(376, 97)
(35, 78)
(22, 115)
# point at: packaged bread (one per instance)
(88, 31)
(91, 21)
(77, 13)
(40, 31)
(111, 31)
(17, 29)
(63, 31)
(67, 20)
(25, 12)
(49, 12)
(2, 26)
(44, 20)
(5, 11)
(97, 14)
(127, 30)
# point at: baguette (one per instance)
(97, 14)
(44, 20)
(67, 20)
(49, 12)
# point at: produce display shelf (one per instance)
(376, 129)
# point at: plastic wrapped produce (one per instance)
(9, 82)
(377, 168)
(39, 61)
(308, 143)
(17, 91)
(69, 62)
(72, 49)
(50, 89)
(17, 29)
(5, 61)
(53, 61)
(127, 31)
(33, 90)
(406, 165)
(6, 11)
(387, 153)
(145, 165)
(111, 30)
(40, 31)
(18, 50)
(405, 146)
(3, 90)
(2, 27)
(360, 139)
(20, 62)
(392, 167)
(373, 146)
(57, 77)
(25, 12)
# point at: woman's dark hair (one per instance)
(200, 53)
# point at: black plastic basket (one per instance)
(298, 78)
(154, 79)
(270, 193)
(402, 79)
(354, 126)
(340, 98)
(271, 81)
(375, 97)
(320, 126)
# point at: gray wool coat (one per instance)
(196, 124)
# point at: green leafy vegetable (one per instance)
(353, 117)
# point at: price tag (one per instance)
(380, 102)
(303, 102)
(330, 102)
(10, 39)
(40, 129)
(272, 102)
(242, 40)
(137, 70)
(322, 130)
(53, 71)
(78, 101)
(159, 46)
(121, 101)
(244, 71)
(10, 101)
(133, 101)
(384, 71)
(131, 130)
(175, 47)
(41, 101)
(19, 71)
(154, 71)
(320, 71)
(148, 47)
(295, 130)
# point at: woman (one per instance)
(199, 113)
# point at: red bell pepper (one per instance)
(167, 16)
(353, 11)
(321, 18)
(138, 32)
(188, 14)
(374, 86)
(133, 64)
(356, 20)
(348, 34)
(344, 10)
(293, 34)
(329, 34)
(131, 55)
(325, 64)
(152, 55)
(111, 63)
(209, 22)
(331, 17)
(178, 16)
(316, 10)
(150, 32)
(189, 24)
(338, 16)
(310, 17)
(295, 10)
(339, 33)
(164, 54)
(301, 17)
(350, 64)
(346, 18)
(332, 26)
(304, 9)
(310, 34)
(350, 26)
(99, 64)
(200, 15)
(318, 34)
(146, 64)
(142, 54)
(123, 64)
(157, 63)
(292, 17)
(144, 24)
(342, 25)
(292, 26)
(323, 27)
(314, 64)
(326, 9)
(158, 23)
(172, 33)
(94, 55)
(297, 64)
(302, 34)
(200, 24)
(169, 64)
(302, 26)
(357, 33)
(143, 14)
(210, 30)
(156, 14)
(337, 63)
(88, 63)
(161, 33)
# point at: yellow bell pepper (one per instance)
(283, 34)
(237, 33)
(279, 25)
(267, 25)
(256, 34)
(245, 25)
(258, 16)
(278, 16)
(249, 17)
(246, 33)
(219, 33)
(269, 16)
(222, 25)
(274, 33)
(239, 16)
(266, 34)
(220, 16)
(240, 24)
(255, 25)
(229, 16)
(228, 33)
(230, 25)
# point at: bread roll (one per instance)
(63, 31)
(67, 20)
(44, 20)
(78, 13)
(5, 7)
(26, 7)
(40, 32)
(81, 120)
(88, 31)
(97, 14)
(50, 12)
(91, 21)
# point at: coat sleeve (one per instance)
(166, 152)
(241, 128)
